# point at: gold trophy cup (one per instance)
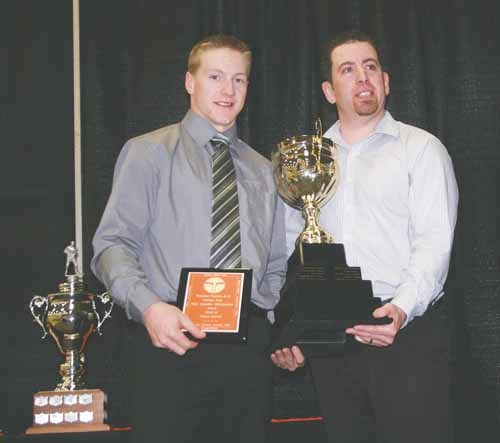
(70, 316)
(306, 175)
(322, 295)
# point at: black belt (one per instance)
(258, 311)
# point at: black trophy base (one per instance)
(322, 296)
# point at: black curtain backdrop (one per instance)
(444, 62)
(37, 192)
(443, 57)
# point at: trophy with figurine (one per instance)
(70, 316)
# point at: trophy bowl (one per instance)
(306, 174)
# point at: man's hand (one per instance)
(165, 324)
(289, 359)
(380, 335)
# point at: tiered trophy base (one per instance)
(322, 296)
(68, 411)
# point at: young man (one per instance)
(395, 212)
(160, 218)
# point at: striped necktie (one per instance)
(225, 246)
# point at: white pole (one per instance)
(77, 133)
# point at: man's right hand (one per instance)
(166, 325)
(289, 359)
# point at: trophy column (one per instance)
(70, 316)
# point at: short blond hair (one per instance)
(217, 41)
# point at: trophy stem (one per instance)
(313, 233)
(72, 372)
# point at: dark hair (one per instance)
(341, 39)
(217, 41)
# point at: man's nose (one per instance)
(361, 75)
(228, 87)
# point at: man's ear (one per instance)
(189, 83)
(386, 84)
(328, 92)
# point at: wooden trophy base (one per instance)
(58, 429)
(68, 411)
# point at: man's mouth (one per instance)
(365, 94)
(224, 104)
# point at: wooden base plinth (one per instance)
(56, 429)
(68, 411)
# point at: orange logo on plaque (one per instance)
(214, 285)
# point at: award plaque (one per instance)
(217, 301)
(322, 296)
(70, 316)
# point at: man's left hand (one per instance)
(380, 335)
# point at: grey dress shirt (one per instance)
(158, 217)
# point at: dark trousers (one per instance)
(216, 392)
(398, 394)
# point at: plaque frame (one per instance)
(239, 334)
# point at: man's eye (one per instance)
(346, 70)
(372, 67)
(241, 81)
(214, 77)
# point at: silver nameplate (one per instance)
(56, 418)
(70, 399)
(41, 419)
(41, 400)
(86, 416)
(85, 399)
(56, 400)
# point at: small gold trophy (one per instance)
(70, 316)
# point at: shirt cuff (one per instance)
(139, 299)
(405, 298)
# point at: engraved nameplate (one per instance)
(313, 273)
(347, 273)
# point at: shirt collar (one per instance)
(387, 126)
(202, 131)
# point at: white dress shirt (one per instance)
(394, 210)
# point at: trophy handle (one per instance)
(37, 309)
(319, 128)
(105, 300)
